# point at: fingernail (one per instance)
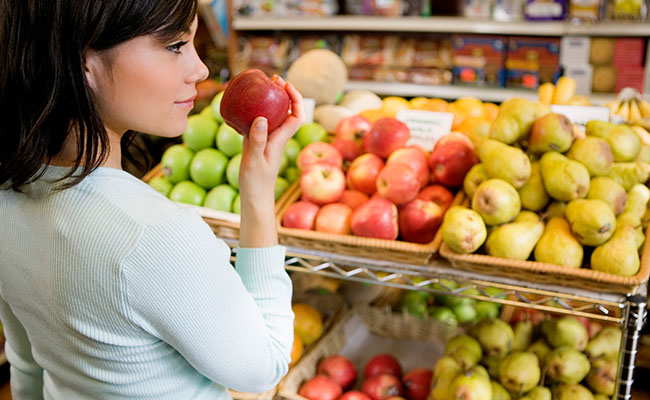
(261, 123)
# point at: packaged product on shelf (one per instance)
(423, 52)
(585, 10)
(508, 10)
(267, 53)
(479, 60)
(369, 49)
(544, 10)
(531, 61)
(477, 8)
(601, 51)
(429, 76)
(582, 74)
(627, 9)
(387, 8)
(285, 8)
(574, 50)
(605, 77)
(628, 52)
(629, 77)
(303, 44)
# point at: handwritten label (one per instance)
(580, 115)
(426, 127)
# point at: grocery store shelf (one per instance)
(455, 91)
(437, 24)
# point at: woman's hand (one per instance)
(261, 156)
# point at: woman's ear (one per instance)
(92, 68)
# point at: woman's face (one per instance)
(145, 85)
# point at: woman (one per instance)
(107, 289)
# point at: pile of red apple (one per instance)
(369, 183)
(383, 380)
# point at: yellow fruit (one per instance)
(372, 115)
(579, 100)
(471, 106)
(437, 105)
(418, 103)
(491, 111)
(643, 134)
(296, 349)
(635, 111)
(624, 110)
(645, 108)
(307, 323)
(391, 105)
(565, 89)
(459, 116)
(613, 106)
(475, 128)
(545, 92)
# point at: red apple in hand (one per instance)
(334, 218)
(419, 220)
(417, 383)
(252, 94)
(354, 395)
(320, 388)
(363, 172)
(398, 183)
(438, 194)
(450, 162)
(352, 128)
(381, 387)
(339, 369)
(349, 149)
(383, 364)
(322, 183)
(376, 218)
(300, 215)
(318, 152)
(386, 136)
(414, 157)
(353, 198)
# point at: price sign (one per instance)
(426, 127)
(580, 115)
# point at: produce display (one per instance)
(308, 328)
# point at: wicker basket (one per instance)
(223, 224)
(380, 322)
(380, 249)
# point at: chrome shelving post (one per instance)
(635, 314)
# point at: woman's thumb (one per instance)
(258, 133)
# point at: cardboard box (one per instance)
(479, 60)
(628, 52)
(531, 61)
(582, 74)
(574, 50)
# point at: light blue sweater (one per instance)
(110, 291)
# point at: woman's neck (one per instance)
(66, 157)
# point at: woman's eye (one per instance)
(176, 47)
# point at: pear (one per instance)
(540, 349)
(622, 139)
(444, 372)
(565, 331)
(499, 392)
(465, 349)
(606, 344)
(552, 132)
(572, 392)
(523, 335)
(519, 372)
(492, 364)
(519, 115)
(494, 335)
(470, 385)
(592, 221)
(630, 219)
(564, 179)
(496, 201)
(479, 369)
(644, 154)
(619, 256)
(629, 174)
(602, 376)
(567, 365)
(594, 153)
(609, 191)
(533, 195)
(463, 230)
(558, 245)
(539, 393)
(505, 162)
(556, 209)
(475, 176)
(599, 396)
(637, 200)
(516, 240)
(505, 130)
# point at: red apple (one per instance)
(376, 218)
(339, 369)
(363, 172)
(322, 183)
(300, 215)
(456, 136)
(383, 364)
(354, 395)
(352, 128)
(438, 194)
(252, 94)
(318, 152)
(320, 388)
(398, 183)
(419, 220)
(349, 149)
(414, 157)
(450, 162)
(386, 136)
(525, 314)
(334, 218)
(381, 387)
(417, 383)
(354, 198)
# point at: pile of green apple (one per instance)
(204, 170)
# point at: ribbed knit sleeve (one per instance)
(234, 327)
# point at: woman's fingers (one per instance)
(258, 136)
(294, 120)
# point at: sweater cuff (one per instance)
(260, 263)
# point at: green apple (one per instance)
(310, 133)
(236, 205)
(443, 314)
(465, 312)
(292, 149)
(200, 132)
(486, 309)
(284, 163)
(215, 107)
(206, 112)
(162, 185)
(221, 198)
(232, 171)
(188, 192)
(229, 141)
(176, 163)
(291, 174)
(281, 186)
(207, 168)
